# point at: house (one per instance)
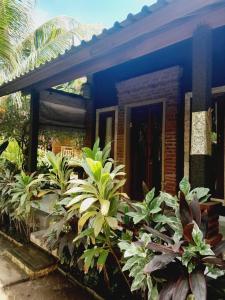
(157, 88)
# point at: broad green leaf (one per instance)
(113, 222)
(185, 186)
(149, 197)
(107, 168)
(137, 282)
(86, 204)
(137, 217)
(117, 187)
(86, 232)
(98, 223)
(130, 263)
(154, 294)
(138, 268)
(154, 205)
(133, 250)
(88, 152)
(197, 235)
(80, 189)
(141, 206)
(84, 219)
(96, 145)
(104, 179)
(102, 259)
(124, 245)
(105, 204)
(77, 199)
(106, 152)
(201, 194)
(88, 257)
(95, 167)
(155, 210)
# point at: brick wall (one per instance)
(164, 84)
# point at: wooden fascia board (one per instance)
(175, 10)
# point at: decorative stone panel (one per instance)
(201, 133)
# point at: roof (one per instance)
(151, 19)
(131, 18)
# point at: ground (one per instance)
(15, 284)
(52, 287)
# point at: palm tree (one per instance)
(35, 48)
(15, 20)
(51, 39)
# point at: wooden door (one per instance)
(218, 118)
(145, 148)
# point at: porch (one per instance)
(155, 89)
(178, 62)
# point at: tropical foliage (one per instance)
(59, 172)
(24, 48)
(168, 236)
(158, 246)
(15, 21)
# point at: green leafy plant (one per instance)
(165, 253)
(13, 153)
(97, 200)
(7, 173)
(59, 172)
(137, 255)
(152, 211)
(23, 196)
(200, 193)
(180, 264)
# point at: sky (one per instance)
(103, 12)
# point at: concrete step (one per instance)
(10, 273)
(37, 238)
(32, 260)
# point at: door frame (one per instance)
(127, 122)
(187, 133)
(105, 110)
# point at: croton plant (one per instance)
(158, 244)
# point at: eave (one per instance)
(172, 23)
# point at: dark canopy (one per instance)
(60, 109)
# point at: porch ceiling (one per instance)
(156, 27)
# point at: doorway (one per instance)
(217, 167)
(106, 128)
(146, 128)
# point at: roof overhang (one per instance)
(170, 24)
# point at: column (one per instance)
(34, 130)
(201, 102)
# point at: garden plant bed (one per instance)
(114, 246)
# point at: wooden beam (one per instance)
(145, 36)
(34, 130)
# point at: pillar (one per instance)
(34, 130)
(200, 158)
(88, 94)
